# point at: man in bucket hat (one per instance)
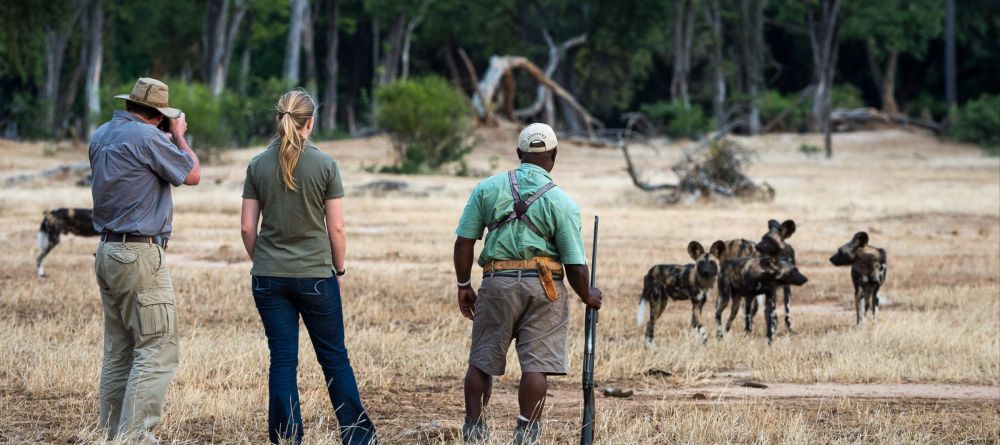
(134, 165)
(534, 240)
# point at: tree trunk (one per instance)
(411, 26)
(446, 53)
(950, 84)
(224, 37)
(889, 84)
(218, 12)
(244, 78)
(388, 70)
(95, 58)
(752, 42)
(568, 111)
(683, 31)
(328, 111)
(309, 50)
(55, 54)
(293, 46)
(713, 15)
(823, 26)
(70, 91)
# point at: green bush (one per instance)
(846, 95)
(677, 121)
(772, 103)
(428, 121)
(978, 122)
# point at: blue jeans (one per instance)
(280, 301)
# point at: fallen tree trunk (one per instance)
(870, 115)
(48, 173)
(502, 66)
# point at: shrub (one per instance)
(428, 121)
(677, 121)
(845, 95)
(772, 103)
(977, 122)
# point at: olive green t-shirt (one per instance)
(293, 241)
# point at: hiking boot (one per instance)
(475, 431)
(527, 432)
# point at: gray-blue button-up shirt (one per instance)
(134, 164)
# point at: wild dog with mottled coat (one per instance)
(774, 244)
(868, 268)
(742, 279)
(738, 248)
(56, 222)
(692, 281)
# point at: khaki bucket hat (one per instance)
(151, 93)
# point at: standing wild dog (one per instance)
(742, 279)
(692, 281)
(79, 222)
(738, 248)
(774, 244)
(868, 268)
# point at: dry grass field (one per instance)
(928, 371)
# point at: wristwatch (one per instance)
(339, 273)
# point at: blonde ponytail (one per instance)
(295, 109)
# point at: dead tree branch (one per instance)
(556, 52)
(501, 66)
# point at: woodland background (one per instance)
(690, 65)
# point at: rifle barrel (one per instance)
(590, 331)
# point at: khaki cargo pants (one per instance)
(140, 337)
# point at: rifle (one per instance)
(590, 332)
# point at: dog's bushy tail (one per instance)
(642, 314)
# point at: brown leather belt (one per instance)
(545, 266)
(532, 264)
(111, 237)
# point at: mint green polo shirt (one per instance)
(555, 214)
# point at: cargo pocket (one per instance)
(157, 313)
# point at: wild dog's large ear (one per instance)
(787, 229)
(773, 224)
(695, 250)
(860, 239)
(718, 249)
(768, 263)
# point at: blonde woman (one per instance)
(295, 192)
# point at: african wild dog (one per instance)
(57, 222)
(868, 268)
(742, 279)
(774, 243)
(738, 248)
(692, 281)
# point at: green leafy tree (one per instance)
(890, 28)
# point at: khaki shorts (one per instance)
(516, 307)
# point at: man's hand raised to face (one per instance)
(178, 127)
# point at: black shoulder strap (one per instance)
(521, 206)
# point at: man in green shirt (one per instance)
(533, 242)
